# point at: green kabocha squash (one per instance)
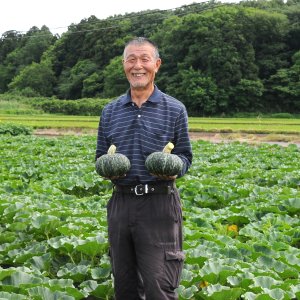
(112, 164)
(164, 163)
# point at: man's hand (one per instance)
(165, 177)
(115, 177)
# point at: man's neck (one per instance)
(140, 96)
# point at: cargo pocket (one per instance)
(173, 267)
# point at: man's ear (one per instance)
(158, 64)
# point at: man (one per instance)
(144, 213)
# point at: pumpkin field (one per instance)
(241, 207)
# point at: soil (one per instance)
(248, 138)
(281, 139)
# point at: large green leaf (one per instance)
(6, 273)
(93, 245)
(77, 273)
(41, 293)
(187, 293)
(264, 282)
(219, 292)
(101, 273)
(18, 278)
(12, 296)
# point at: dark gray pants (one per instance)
(145, 236)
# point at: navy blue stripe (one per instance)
(137, 132)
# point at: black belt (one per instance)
(142, 189)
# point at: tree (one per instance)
(199, 93)
(284, 87)
(71, 80)
(37, 77)
(27, 49)
(293, 37)
(231, 49)
(9, 41)
(115, 82)
(267, 32)
(33, 44)
(246, 96)
(93, 85)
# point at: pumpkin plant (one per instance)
(112, 164)
(163, 162)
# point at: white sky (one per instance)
(57, 15)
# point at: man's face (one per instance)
(140, 65)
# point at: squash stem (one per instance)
(112, 149)
(168, 148)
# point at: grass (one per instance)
(222, 125)
(16, 108)
(247, 125)
(52, 121)
(198, 121)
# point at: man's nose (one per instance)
(138, 63)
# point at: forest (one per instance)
(217, 58)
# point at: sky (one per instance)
(57, 15)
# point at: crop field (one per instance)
(241, 207)
(249, 125)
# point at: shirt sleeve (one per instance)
(182, 142)
(102, 142)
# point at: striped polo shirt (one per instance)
(137, 132)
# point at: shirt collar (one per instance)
(154, 98)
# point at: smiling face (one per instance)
(140, 65)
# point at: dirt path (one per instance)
(280, 139)
(205, 136)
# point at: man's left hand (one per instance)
(165, 177)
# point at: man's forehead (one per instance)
(140, 50)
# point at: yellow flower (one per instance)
(203, 284)
(233, 229)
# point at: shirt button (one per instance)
(139, 116)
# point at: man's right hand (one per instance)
(115, 177)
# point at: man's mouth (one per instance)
(138, 74)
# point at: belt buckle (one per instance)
(143, 187)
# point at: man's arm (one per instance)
(102, 142)
(182, 142)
